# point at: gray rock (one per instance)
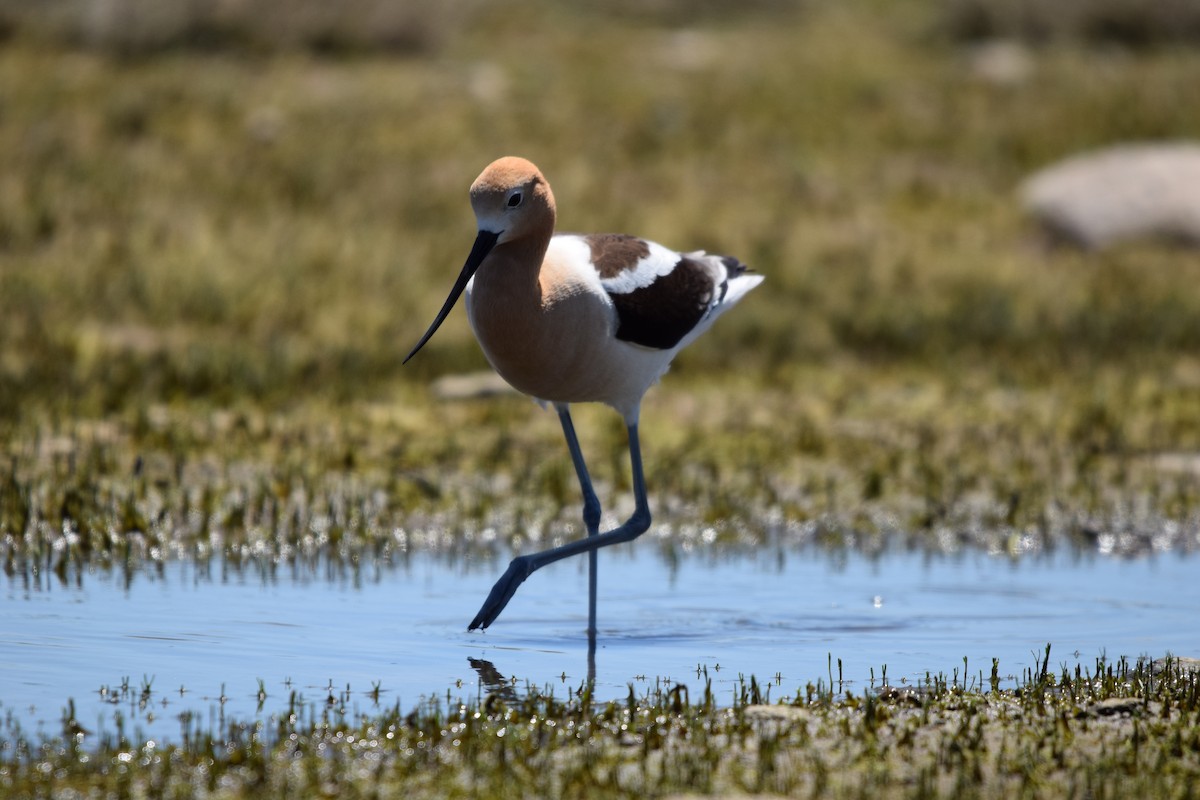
(1177, 665)
(1001, 62)
(1125, 192)
(470, 385)
(777, 713)
(1116, 707)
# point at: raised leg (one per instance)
(591, 506)
(522, 567)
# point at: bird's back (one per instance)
(610, 314)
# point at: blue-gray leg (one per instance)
(591, 507)
(522, 567)
(591, 504)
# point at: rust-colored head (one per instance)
(512, 201)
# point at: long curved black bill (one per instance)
(484, 243)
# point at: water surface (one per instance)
(201, 639)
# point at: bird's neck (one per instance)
(512, 268)
(526, 252)
(507, 290)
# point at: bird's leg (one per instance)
(591, 503)
(522, 567)
(591, 506)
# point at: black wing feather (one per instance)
(661, 314)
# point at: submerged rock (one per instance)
(1125, 192)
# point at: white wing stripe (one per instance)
(646, 271)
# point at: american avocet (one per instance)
(574, 318)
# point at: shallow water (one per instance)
(331, 635)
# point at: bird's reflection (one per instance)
(491, 679)
(497, 685)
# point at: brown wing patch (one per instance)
(661, 314)
(613, 253)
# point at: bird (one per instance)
(572, 318)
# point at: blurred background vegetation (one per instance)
(223, 223)
(215, 212)
(259, 200)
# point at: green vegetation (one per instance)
(198, 227)
(1115, 730)
(211, 266)
(214, 252)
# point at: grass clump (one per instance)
(1113, 728)
(866, 459)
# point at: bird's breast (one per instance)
(552, 338)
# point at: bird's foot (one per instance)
(518, 570)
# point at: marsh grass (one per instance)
(202, 309)
(864, 461)
(204, 226)
(1100, 729)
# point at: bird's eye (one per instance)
(514, 200)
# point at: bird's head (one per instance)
(512, 201)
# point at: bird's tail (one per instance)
(739, 276)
